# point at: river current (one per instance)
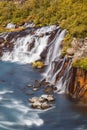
(15, 110)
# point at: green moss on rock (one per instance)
(81, 63)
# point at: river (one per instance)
(15, 110)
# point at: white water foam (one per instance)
(20, 51)
(23, 115)
(5, 91)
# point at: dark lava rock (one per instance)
(2, 40)
(49, 89)
(31, 45)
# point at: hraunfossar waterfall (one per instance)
(39, 88)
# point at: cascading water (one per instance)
(28, 49)
(21, 52)
(63, 82)
(53, 53)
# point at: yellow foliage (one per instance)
(16, 29)
(38, 64)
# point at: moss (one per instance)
(38, 64)
(81, 63)
(66, 43)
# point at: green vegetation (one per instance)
(81, 63)
(70, 14)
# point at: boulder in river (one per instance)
(45, 105)
(42, 102)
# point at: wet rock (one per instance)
(49, 89)
(31, 45)
(44, 53)
(2, 40)
(52, 35)
(41, 35)
(29, 24)
(44, 96)
(36, 104)
(45, 105)
(35, 89)
(34, 99)
(42, 102)
(29, 93)
(50, 98)
(37, 84)
(41, 99)
(30, 85)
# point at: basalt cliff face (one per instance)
(78, 82)
(68, 74)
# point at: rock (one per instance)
(44, 96)
(10, 26)
(45, 105)
(29, 24)
(29, 93)
(37, 84)
(85, 41)
(2, 40)
(41, 100)
(70, 51)
(36, 104)
(48, 89)
(50, 98)
(78, 84)
(35, 89)
(33, 99)
(29, 85)
(74, 43)
(31, 45)
(41, 35)
(38, 64)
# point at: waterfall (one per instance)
(63, 82)
(28, 48)
(53, 53)
(21, 52)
